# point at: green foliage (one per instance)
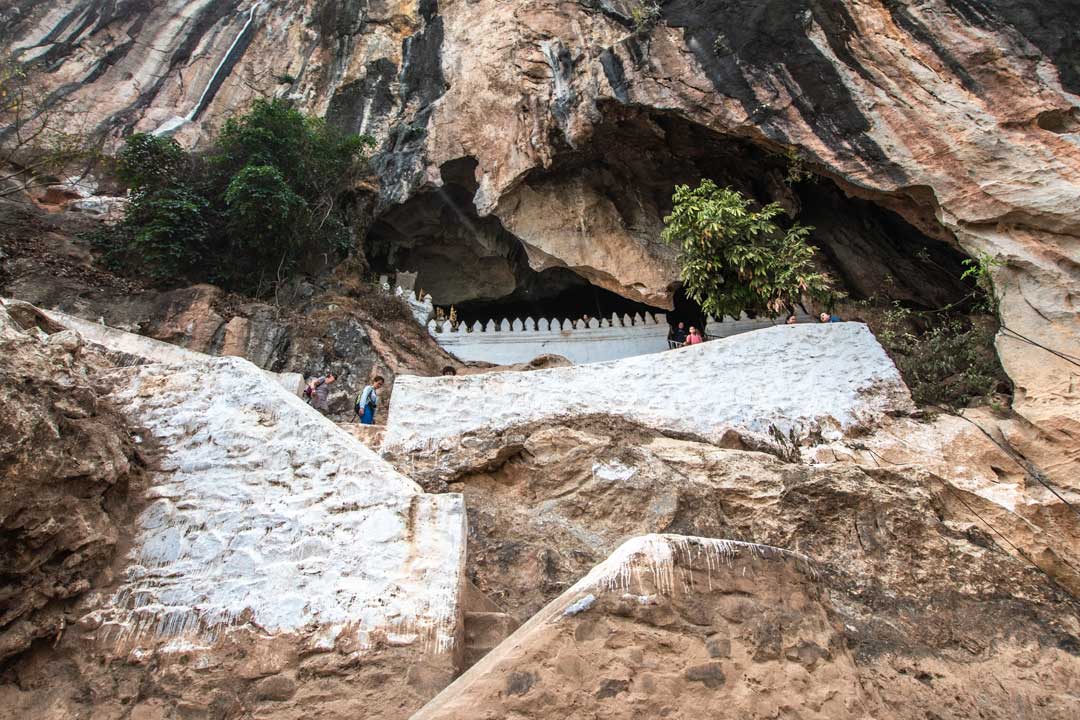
(734, 258)
(272, 189)
(645, 14)
(169, 231)
(797, 171)
(946, 360)
(980, 269)
(163, 237)
(149, 162)
(262, 205)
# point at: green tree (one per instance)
(272, 188)
(148, 162)
(735, 258)
(164, 233)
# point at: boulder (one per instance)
(65, 469)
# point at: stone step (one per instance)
(484, 631)
(475, 600)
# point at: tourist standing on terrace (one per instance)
(678, 335)
(368, 401)
(318, 391)
(694, 337)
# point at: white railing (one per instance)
(507, 342)
(546, 326)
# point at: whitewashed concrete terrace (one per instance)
(798, 378)
(265, 514)
(508, 342)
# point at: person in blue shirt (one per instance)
(368, 401)
(827, 318)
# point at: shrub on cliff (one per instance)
(946, 360)
(735, 258)
(271, 189)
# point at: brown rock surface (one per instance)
(684, 627)
(945, 565)
(671, 627)
(935, 585)
(575, 123)
(65, 470)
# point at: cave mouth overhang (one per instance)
(581, 237)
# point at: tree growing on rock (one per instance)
(735, 258)
(270, 191)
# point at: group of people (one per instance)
(681, 336)
(317, 393)
(823, 317)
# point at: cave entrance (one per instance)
(629, 170)
(475, 265)
(635, 159)
(686, 311)
(553, 294)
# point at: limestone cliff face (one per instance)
(565, 126)
(65, 472)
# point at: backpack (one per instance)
(372, 400)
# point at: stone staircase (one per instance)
(486, 625)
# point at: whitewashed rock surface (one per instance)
(797, 378)
(148, 349)
(265, 513)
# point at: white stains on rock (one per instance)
(797, 379)
(264, 513)
(666, 563)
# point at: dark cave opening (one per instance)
(633, 162)
(475, 266)
(534, 299)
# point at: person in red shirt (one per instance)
(694, 337)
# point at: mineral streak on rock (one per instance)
(797, 379)
(265, 513)
(666, 559)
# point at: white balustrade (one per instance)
(519, 340)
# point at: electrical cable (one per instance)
(1021, 461)
(1023, 338)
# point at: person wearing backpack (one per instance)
(368, 401)
(318, 391)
